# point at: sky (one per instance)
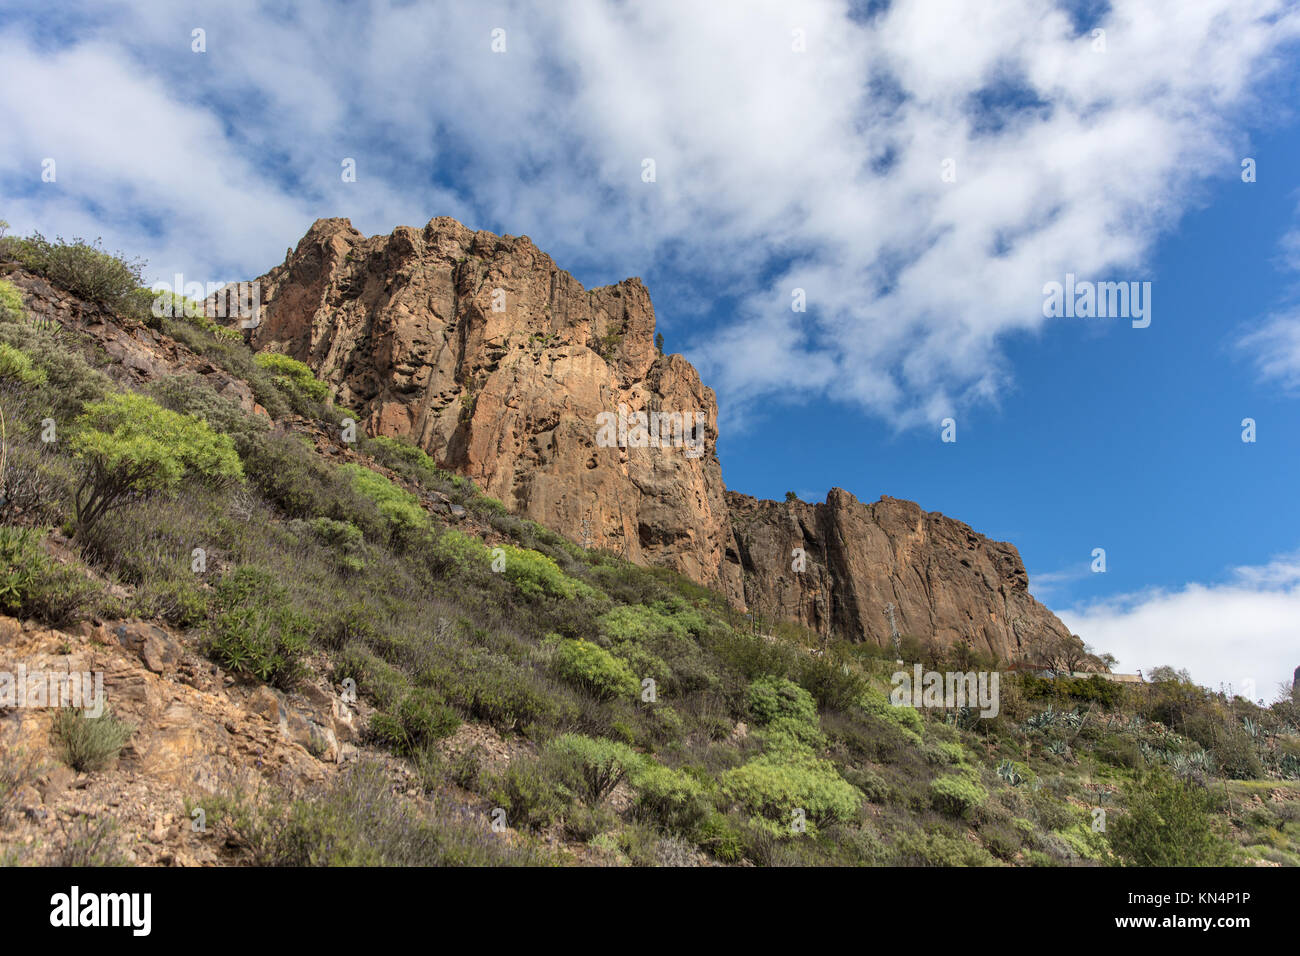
(921, 171)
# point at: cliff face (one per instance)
(945, 581)
(501, 366)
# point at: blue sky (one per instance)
(1113, 156)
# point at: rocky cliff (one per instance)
(836, 567)
(501, 366)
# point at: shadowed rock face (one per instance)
(498, 364)
(945, 581)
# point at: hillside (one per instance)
(339, 650)
(481, 351)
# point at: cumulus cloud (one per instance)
(775, 169)
(1244, 632)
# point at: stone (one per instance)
(947, 583)
(154, 646)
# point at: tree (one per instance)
(132, 445)
(659, 342)
(791, 496)
(1169, 824)
(1167, 673)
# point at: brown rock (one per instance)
(404, 329)
(154, 646)
(947, 583)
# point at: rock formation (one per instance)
(500, 365)
(945, 582)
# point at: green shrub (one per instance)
(89, 743)
(535, 574)
(531, 797)
(590, 767)
(132, 445)
(17, 364)
(669, 798)
(255, 630)
(939, 847)
(958, 796)
(357, 820)
(1168, 824)
(421, 718)
(11, 302)
(457, 550)
(85, 270)
(190, 394)
(293, 376)
(595, 670)
(344, 540)
(400, 508)
(33, 585)
(875, 702)
(771, 698)
(773, 785)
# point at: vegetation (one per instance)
(132, 445)
(644, 720)
(90, 743)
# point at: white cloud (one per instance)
(1244, 630)
(1275, 349)
(775, 169)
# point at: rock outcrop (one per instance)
(500, 365)
(946, 582)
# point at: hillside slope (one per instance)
(497, 363)
(342, 653)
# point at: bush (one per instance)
(905, 717)
(773, 785)
(595, 670)
(957, 795)
(400, 508)
(17, 364)
(771, 698)
(939, 847)
(421, 718)
(89, 743)
(669, 798)
(132, 445)
(32, 585)
(190, 394)
(359, 821)
(590, 767)
(1169, 824)
(535, 574)
(11, 302)
(254, 630)
(293, 376)
(84, 269)
(529, 795)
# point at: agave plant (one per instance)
(1008, 772)
(1047, 718)
(1288, 767)
(1057, 747)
